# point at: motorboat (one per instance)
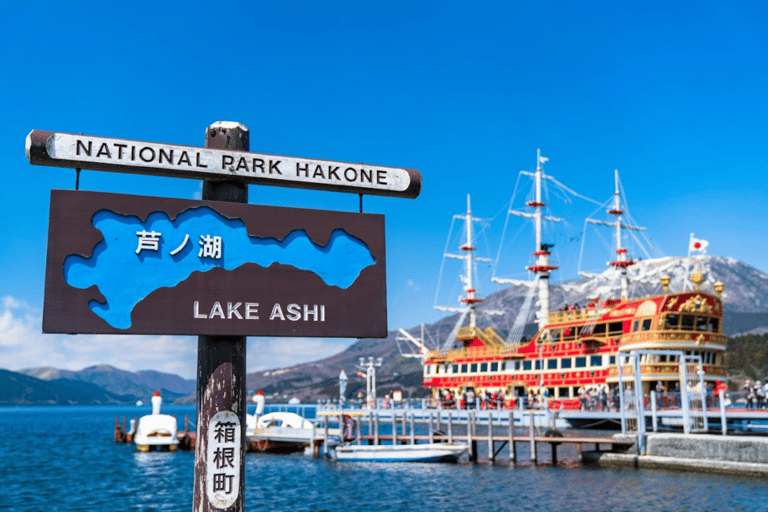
(426, 452)
(278, 432)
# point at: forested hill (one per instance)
(747, 356)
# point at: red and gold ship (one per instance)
(577, 349)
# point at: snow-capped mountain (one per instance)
(746, 288)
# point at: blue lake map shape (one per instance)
(124, 277)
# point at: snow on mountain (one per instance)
(746, 288)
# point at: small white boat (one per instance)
(278, 432)
(156, 431)
(429, 452)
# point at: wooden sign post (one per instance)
(219, 481)
(328, 278)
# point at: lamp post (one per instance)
(370, 379)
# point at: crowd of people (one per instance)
(755, 394)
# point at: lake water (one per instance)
(64, 458)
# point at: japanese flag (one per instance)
(697, 244)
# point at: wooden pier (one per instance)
(410, 428)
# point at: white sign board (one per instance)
(224, 452)
(129, 156)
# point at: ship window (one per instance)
(484, 367)
(612, 360)
(517, 365)
(713, 325)
(701, 323)
(581, 362)
(428, 368)
(596, 360)
(646, 324)
(564, 392)
(464, 368)
(600, 329)
(503, 365)
(565, 362)
(455, 369)
(473, 367)
(634, 325)
(538, 364)
(552, 364)
(687, 322)
(671, 322)
(663, 358)
(527, 365)
(494, 367)
(614, 328)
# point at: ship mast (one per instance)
(621, 263)
(470, 300)
(543, 267)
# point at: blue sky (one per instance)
(671, 94)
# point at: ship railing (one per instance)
(464, 353)
(666, 336)
(665, 369)
(575, 315)
(487, 336)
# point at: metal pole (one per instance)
(640, 409)
(413, 427)
(394, 428)
(703, 389)
(221, 362)
(621, 394)
(653, 410)
(723, 421)
(491, 455)
(533, 441)
(450, 427)
(684, 394)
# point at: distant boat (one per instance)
(156, 431)
(294, 401)
(139, 403)
(278, 432)
(429, 452)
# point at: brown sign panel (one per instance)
(120, 264)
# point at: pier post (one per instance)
(376, 428)
(405, 428)
(450, 427)
(653, 411)
(221, 359)
(413, 427)
(394, 427)
(358, 429)
(325, 441)
(474, 436)
(491, 454)
(512, 453)
(431, 428)
(532, 429)
(469, 436)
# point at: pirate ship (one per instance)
(577, 348)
